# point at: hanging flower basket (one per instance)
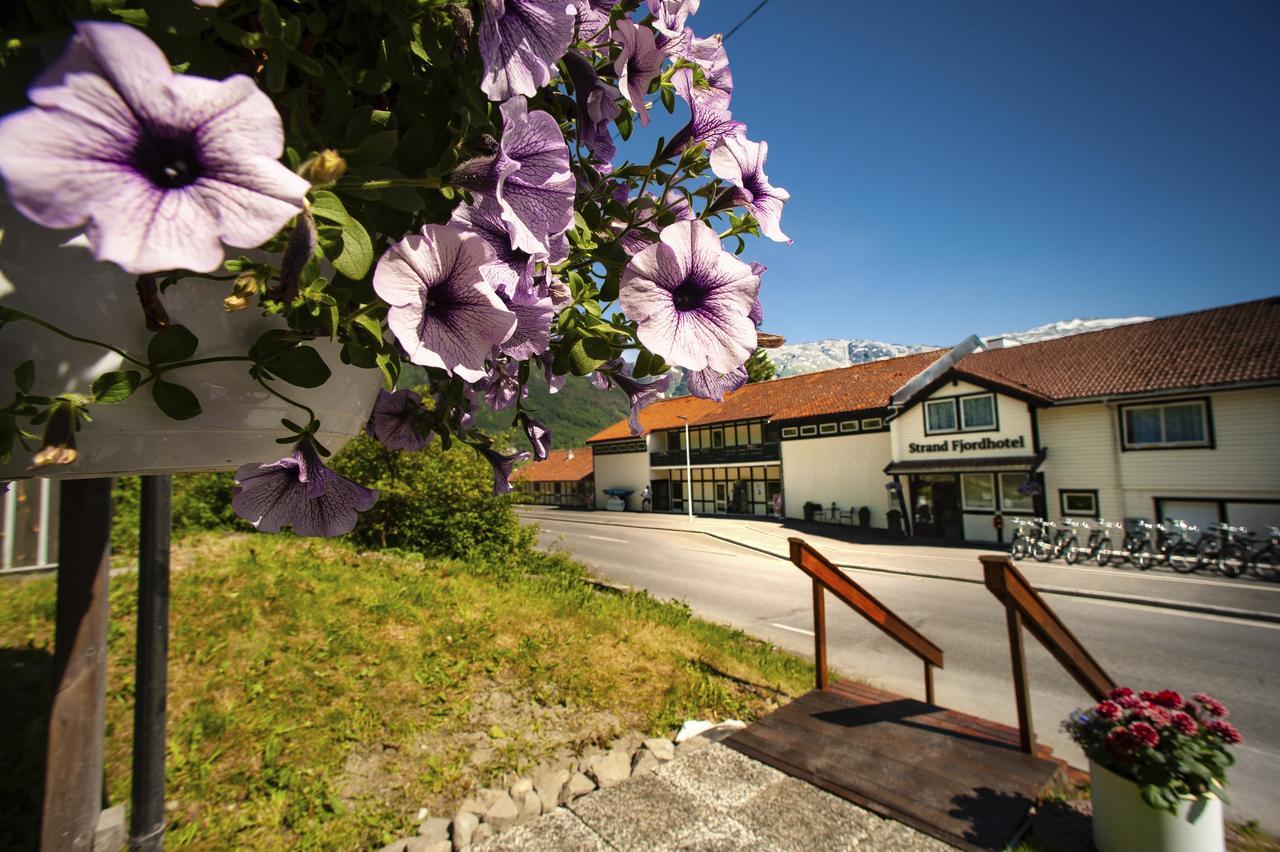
(1030, 488)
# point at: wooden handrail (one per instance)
(827, 577)
(1025, 608)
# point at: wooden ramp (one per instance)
(956, 777)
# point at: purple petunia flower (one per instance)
(520, 42)
(161, 169)
(691, 299)
(300, 492)
(597, 106)
(640, 394)
(538, 434)
(396, 420)
(510, 268)
(554, 383)
(637, 64)
(529, 178)
(501, 385)
(502, 466)
(708, 384)
(709, 120)
(710, 54)
(593, 20)
(670, 15)
(741, 162)
(756, 314)
(532, 334)
(443, 311)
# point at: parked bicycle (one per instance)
(1027, 532)
(1056, 540)
(1095, 544)
(1242, 552)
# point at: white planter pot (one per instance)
(1123, 822)
(53, 275)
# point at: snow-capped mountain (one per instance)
(796, 358)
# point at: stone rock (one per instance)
(464, 826)
(579, 785)
(644, 761)
(613, 768)
(628, 743)
(548, 782)
(693, 744)
(662, 748)
(110, 833)
(489, 795)
(473, 805)
(438, 846)
(502, 813)
(588, 759)
(434, 829)
(483, 755)
(522, 786)
(530, 806)
(483, 832)
(417, 844)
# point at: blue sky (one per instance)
(981, 167)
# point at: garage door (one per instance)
(1202, 513)
(1255, 516)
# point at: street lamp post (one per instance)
(688, 469)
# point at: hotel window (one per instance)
(979, 491)
(717, 438)
(806, 431)
(789, 431)
(848, 425)
(755, 437)
(1079, 503)
(1171, 424)
(940, 416)
(978, 412)
(872, 423)
(1011, 500)
(827, 429)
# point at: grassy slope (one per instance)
(320, 695)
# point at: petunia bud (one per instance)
(325, 167)
(769, 341)
(59, 445)
(246, 286)
(153, 312)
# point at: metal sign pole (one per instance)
(146, 824)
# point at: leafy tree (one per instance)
(760, 367)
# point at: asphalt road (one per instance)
(1234, 659)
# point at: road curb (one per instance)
(1063, 591)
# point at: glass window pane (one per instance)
(1143, 425)
(744, 435)
(979, 412)
(755, 437)
(979, 490)
(1010, 498)
(1079, 503)
(717, 438)
(1184, 423)
(730, 436)
(940, 416)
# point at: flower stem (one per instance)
(389, 183)
(311, 414)
(69, 336)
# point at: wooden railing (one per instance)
(828, 577)
(1025, 608)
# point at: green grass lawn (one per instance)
(320, 695)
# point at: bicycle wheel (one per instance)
(1042, 550)
(1266, 564)
(1071, 551)
(1019, 548)
(1142, 556)
(1233, 560)
(1184, 558)
(1104, 554)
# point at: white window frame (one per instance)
(873, 423)
(995, 416)
(1206, 430)
(1005, 494)
(1064, 493)
(827, 429)
(848, 425)
(790, 431)
(808, 431)
(955, 415)
(964, 493)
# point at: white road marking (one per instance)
(792, 629)
(606, 538)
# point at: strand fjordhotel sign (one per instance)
(958, 445)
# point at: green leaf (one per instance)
(373, 149)
(170, 344)
(643, 360)
(624, 123)
(269, 17)
(355, 256)
(116, 386)
(271, 344)
(301, 366)
(668, 97)
(25, 376)
(175, 400)
(587, 355)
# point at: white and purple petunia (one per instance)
(529, 178)
(510, 268)
(710, 55)
(502, 466)
(443, 311)
(539, 436)
(637, 65)
(757, 310)
(741, 162)
(397, 420)
(708, 384)
(593, 20)
(691, 299)
(159, 168)
(617, 373)
(520, 42)
(597, 106)
(669, 16)
(501, 385)
(299, 491)
(709, 118)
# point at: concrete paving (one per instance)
(713, 799)
(728, 579)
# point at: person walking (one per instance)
(646, 499)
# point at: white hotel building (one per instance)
(1174, 417)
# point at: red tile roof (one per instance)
(558, 466)
(1221, 346)
(855, 388)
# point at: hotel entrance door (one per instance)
(935, 505)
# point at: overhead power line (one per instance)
(749, 16)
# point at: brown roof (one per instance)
(1221, 346)
(855, 388)
(557, 467)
